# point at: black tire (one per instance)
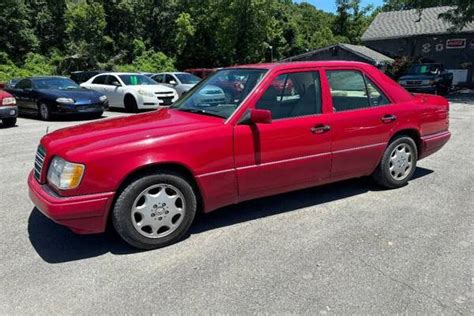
(97, 115)
(9, 122)
(130, 104)
(44, 111)
(383, 176)
(122, 211)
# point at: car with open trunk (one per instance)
(290, 126)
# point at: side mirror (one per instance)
(173, 83)
(116, 83)
(256, 116)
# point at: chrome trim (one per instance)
(39, 162)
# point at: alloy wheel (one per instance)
(401, 162)
(158, 211)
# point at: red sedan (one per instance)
(8, 109)
(151, 173)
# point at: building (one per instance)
(407, 33)
(345, 52)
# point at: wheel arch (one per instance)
(173, 167)
(412, 133)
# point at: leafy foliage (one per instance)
(60, 36)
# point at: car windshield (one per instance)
(422, 69)
(188, 78)
(55, 83)
(137, 80)
(220, 94)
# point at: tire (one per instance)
(97, 115)
(145, 226)
(130, 104)
(391, 172)
(44, 112)
(9, 122)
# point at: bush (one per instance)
(33, 65)
(149, 61)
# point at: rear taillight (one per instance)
(8, 101)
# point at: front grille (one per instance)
(164, 94)
(414, 82)
(166, 101)
(39, 161)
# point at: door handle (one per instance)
(319, 129)
(388, 118)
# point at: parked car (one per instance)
(202, 73)
(150, 174)
(11, 83)
(132, 91)
(429, 78)
(182, 82)
(82, 76)
(48, 96)
(8, 109)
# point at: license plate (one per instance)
(12, 112)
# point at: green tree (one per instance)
(85, 25)
(16, 32)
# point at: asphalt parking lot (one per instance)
(342, 248)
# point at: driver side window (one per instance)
(293, 95)
(24, 84)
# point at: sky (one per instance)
(330, 5)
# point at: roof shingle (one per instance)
(406, 23)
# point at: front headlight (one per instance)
(102, 98)
(65, 100)
(9, 101)
(65, 175)
(145, 93)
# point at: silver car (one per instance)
(182, 82)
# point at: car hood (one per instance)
(76, 94)
(417, 77)
(4, 94)
(152, 88)
(143, 128)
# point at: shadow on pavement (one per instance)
(57, 244)
(462, 96)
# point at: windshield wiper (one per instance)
(200, 111)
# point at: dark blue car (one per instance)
(48, 96)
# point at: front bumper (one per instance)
(426, 89)
(81, 108)
(84, 214)
(432, 143)
(9, 111)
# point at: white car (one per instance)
(132, 91)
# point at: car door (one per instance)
(25, 95)
(114, 91)
(294, 150)
(361, 125)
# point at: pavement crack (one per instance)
(409, 286)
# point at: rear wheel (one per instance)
(130, 104)
(9, 122)
(398, 163)
(155, 210)
(44, 112)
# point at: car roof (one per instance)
(302, 64)
(121, 73)
(44, 77)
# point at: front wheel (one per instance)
(155, 210)
(9, 122)
(130, 104)
(398, 163)
(44, 112)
